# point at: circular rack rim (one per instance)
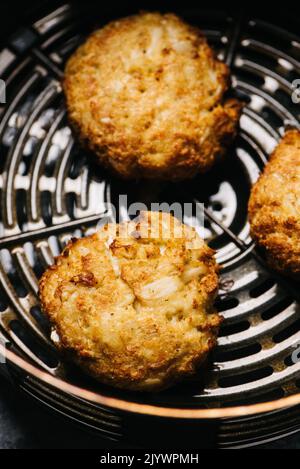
(147, 409)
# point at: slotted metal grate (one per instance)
(50, 191)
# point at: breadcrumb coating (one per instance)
(274, 207)
(146, 95)
(132, 305)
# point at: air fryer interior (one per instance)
(50, 191)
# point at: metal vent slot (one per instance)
(248, 377)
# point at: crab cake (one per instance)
(132, 304)
(146, 95)
(274, 207)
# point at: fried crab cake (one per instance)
(274, 207)
(132, 305)
(146, 95)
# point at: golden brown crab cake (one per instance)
(274, 207)
(132, 305)
(146, 94)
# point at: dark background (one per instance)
(17, 13)
(24, 424)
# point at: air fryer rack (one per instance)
(50, 191)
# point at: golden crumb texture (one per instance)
(274, 207)
(133, 304)
(146, 95)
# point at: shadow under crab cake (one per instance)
(224, 190)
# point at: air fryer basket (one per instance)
(50, 191)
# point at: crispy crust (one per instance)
(135, 310)
(274, 208)
(145, 94)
